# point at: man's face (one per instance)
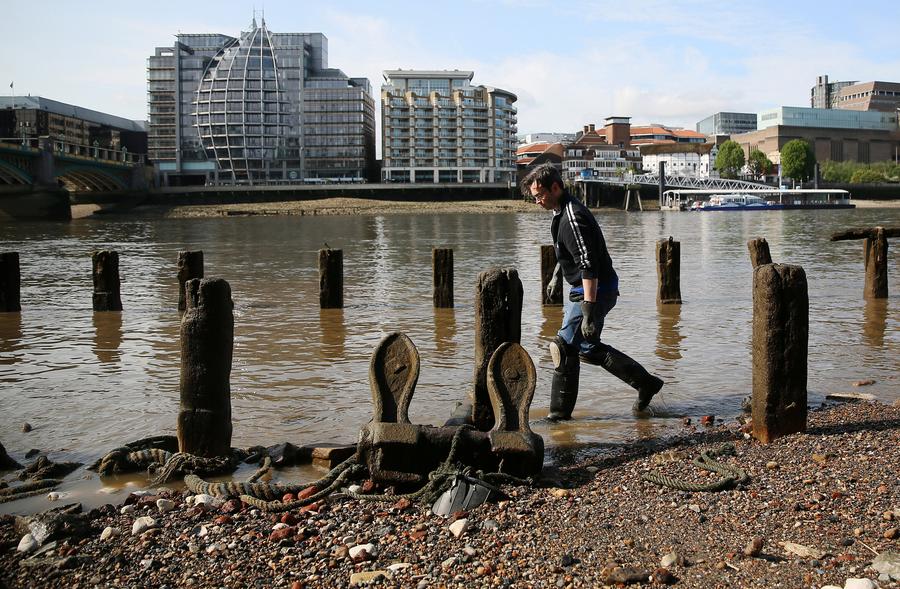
(548, 198)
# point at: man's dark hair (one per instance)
(545, 175)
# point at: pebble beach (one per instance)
(818, 509)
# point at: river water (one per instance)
(88, 382)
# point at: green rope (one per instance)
(731, 475)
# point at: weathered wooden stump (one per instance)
(876, 253)
(780, 347)
(190, 266)
(442, 273)
(331, 279)
(549, 272)
(668, 271)
(207, 340)
(10, 283)
(498, 319)
(106, 281)
(759, 251)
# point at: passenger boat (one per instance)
(754, 200)
(737, 202)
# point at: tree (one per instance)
(798, 160)
(866, 176)
(759, 164)
(730, 159)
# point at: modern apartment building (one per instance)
(260, 108)
(437, 127)
(28, 117)
(824, 94)
(727, 123)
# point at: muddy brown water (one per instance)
(88, 382)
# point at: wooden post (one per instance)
(498, 319)
(759, 251)
(876, 266)
(207, 340)
(106, 281)
(190, 266)
(668, 271)
(10, 283)
(331, 279)
(442, 274)
(548, 265)
(876, 250)
(780, 347)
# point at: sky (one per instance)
(570, 63)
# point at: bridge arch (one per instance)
(82, 178)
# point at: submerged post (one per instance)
(759, 251)
(549, 272)
(876, 250)
(106, 281)
(190, 266)
(876, 265)
(442, 273)
(207, 340)
(331, 279)
(780, 347)
(668, 271)
(10, 283)
(498, 319)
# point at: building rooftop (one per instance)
(70, 110)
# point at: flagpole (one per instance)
(12, 86)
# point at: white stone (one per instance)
(888, 563)
(27, 544)
(142, 524)
(399, 566)
(470, 551)
(830, 587)
(354, 488)
(127, 509)
(459, 527)
(859, 584)
(668, 560)
(358, 549)
(279, 526)
(207, 500)
(53, 496)
(165, 505)
(108, 532)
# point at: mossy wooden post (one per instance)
(548, 267)
(10, 283)
(876, 265)
(331, 279)
(190, 266)
(759, 251)
(442, 273)
(668, 271)
(106, 281)
(780, 347)
(207, 340)
(498, 319)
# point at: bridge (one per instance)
(41, 177)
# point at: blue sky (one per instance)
(570, 63)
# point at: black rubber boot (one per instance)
(628, 370)
(564, 386)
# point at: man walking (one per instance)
(586, 266)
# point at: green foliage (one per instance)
(866, 176)
(730, 159)
(798, 160)
(759, 164)
(857, 173)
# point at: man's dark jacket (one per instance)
(580, 247)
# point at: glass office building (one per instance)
(827, 118)
(437, 127)
(727, 123)
(262, 108)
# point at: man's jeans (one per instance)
(571, 325)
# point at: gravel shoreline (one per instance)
(816, 510)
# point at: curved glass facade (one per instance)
(241, 113)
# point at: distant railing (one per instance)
(94, 152)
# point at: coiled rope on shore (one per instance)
(28, 489)
(732, 476)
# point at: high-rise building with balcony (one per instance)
(257, 109)
(437, 127)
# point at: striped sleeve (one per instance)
(580, 252)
